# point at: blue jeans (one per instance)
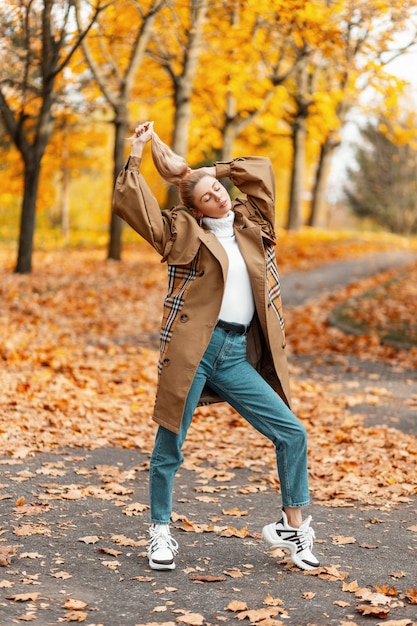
(225, 369)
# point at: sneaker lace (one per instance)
(307, 534)
(310, 536)
(162, 539)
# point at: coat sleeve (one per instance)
(135, 203)
(253, 176)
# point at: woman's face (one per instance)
(211, 198)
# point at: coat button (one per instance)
(184, 317)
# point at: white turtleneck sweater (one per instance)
(238, 305)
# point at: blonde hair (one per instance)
(172, 167)
(175, 170)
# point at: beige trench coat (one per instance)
(197, 269)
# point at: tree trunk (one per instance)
(65, 182)
(65, 208)
(319, 188)
(297, 173)
(114, 251)
(27, 217)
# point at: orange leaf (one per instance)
(74, 605)
(236, 605)
(24, 597)
(193, 619)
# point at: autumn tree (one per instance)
(314, 36)
(114, 51)
(38, 43)
(369, 41)
(230, 96)
(382, 185)
(258, 52)
(175, 47)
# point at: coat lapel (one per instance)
(213, 244)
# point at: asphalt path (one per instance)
(80, 552)
(302, 286)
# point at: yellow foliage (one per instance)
(245, 77)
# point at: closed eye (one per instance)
(208, 197)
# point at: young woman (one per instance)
(222, 334)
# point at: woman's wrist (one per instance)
(137, 149)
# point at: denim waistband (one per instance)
(240, 329)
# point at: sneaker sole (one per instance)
(270, 537)
(161, 566)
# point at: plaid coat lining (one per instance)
(180, 278)
(273, 283)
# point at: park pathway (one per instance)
(73, 549)
(392, 408)
(301, 286)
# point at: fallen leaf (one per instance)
(386, 590)
(31, 555)
(234, 532)
(110, 551)
(270, 601)
(135, 508)
(75, 616)
(122, 540)
(236, 605)
(351, 587)
(206, 579)
(89, 539)
(74, 605)
(5, 584)
(411, 595)
(327, 573)
(235, 512)
(340, 540)
(257, 615)
(6, 553)
(24, 597)
(374, 598)
(233, 572)
(113, 565)
(193, 619)
(377, 611)
(26, 530)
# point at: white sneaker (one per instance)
(162, 547)
(299, 541)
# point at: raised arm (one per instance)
(133, 200)
(253, 176)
